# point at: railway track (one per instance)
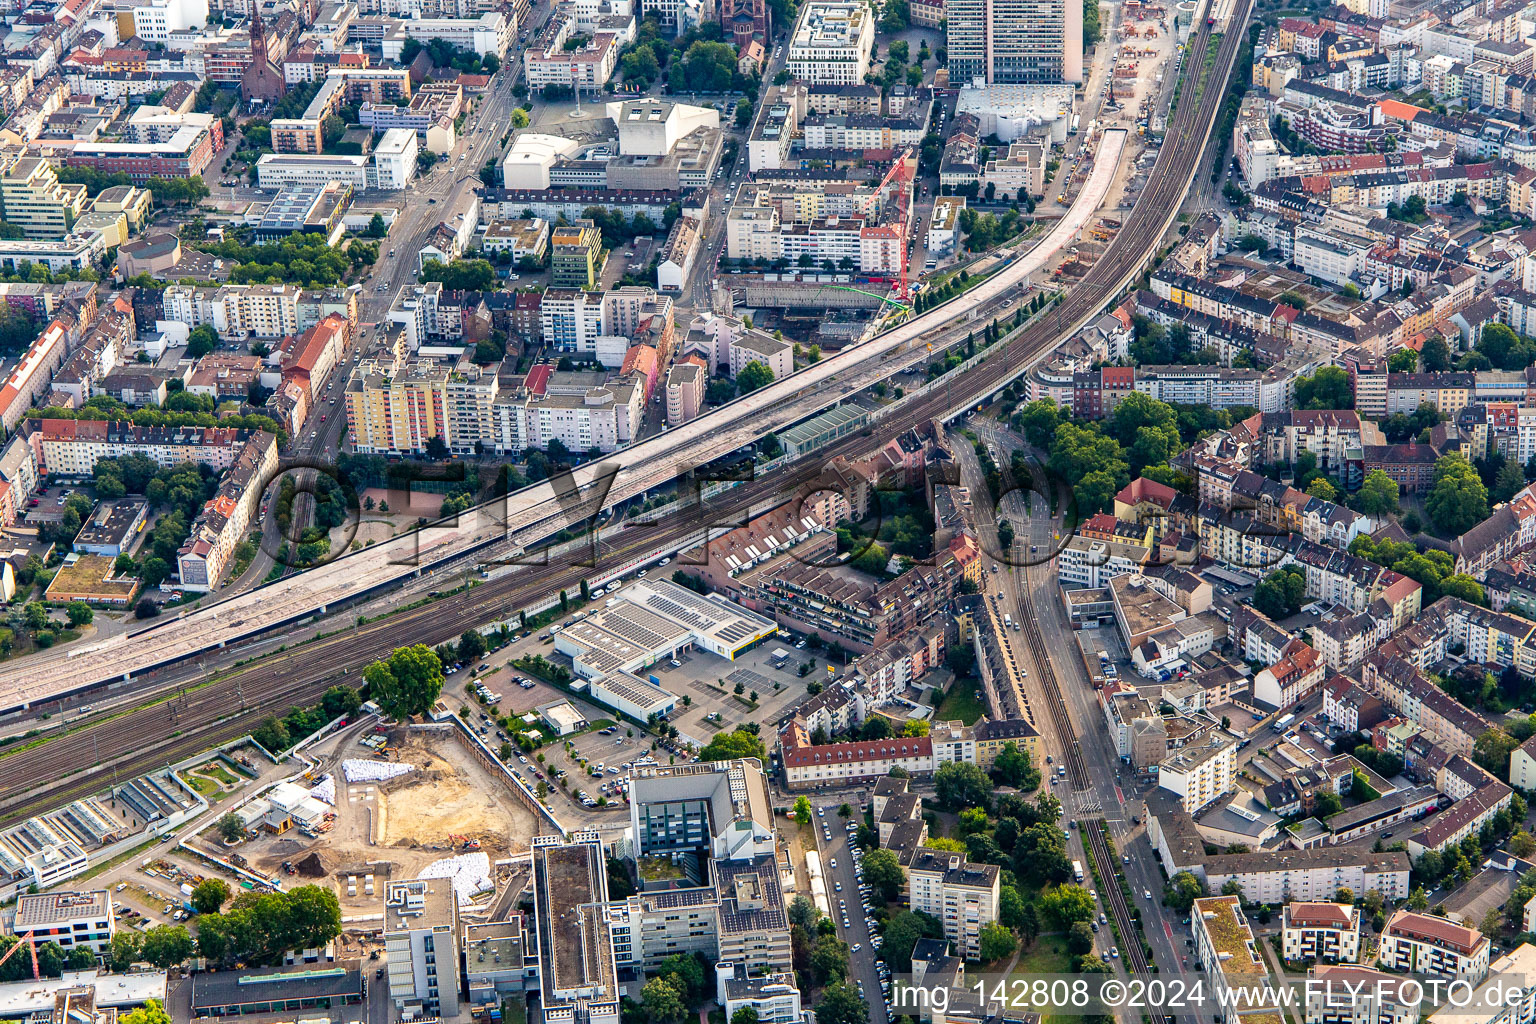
(138, 740)
(1091, 825)
(1089, 812)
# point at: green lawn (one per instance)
(219, 773)
(1047, 956)
(205, 787)
(963, 702)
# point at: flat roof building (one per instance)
(578, 980)
(718, 807)
(832, 43)
(111, 528)
(71, 919)
(277, 989)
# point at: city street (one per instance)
(1114, 795)
(837, 861)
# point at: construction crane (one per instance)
(904, 307)
(26, 938)
(902, 174)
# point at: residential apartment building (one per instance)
(1423, 944)
(1201, 773)
(1324, 932)
(831, 43)
(962, 895)
(1350, 994)
(576, 255)
(237, 310)
(1224, 943)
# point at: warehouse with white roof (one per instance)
(644, 623)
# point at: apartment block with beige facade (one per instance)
(1201, 773)
(1422, 944)
(1327, 932)
(962, 895)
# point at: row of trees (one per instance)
(258, 929)
(461, 275)
(306, 259)
(697, 61)
(1433, 569)
(107, 408)
(278, 734)
(1102, 457)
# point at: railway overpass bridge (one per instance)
(506, 527)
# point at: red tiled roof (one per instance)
(1435, 929)
(1332, 915)
(853, 753)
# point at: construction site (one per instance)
(409, 803)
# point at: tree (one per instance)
(201, 341)
(1328, 804)
(1378, 495)
(340, 702)
(210, 895)
(1457, 500)
(744, 1015)
(753, 376)
(408, 683)
(743, 112)
(841, 1004)
(662, 1000)
(728, 746)
(471, 645)
(167, 945)
(1014, 767)
(1463, 586)
(883, 873)
(1492, 749)
(1510, 480)
(829, 959)
(1080, 938)
(1417, 901)
(803, 810)
(1435, 356)
(1328, 388)
(231, 828)
(960, 784)
(998, 942)
(1066, 904)
(1181, 891)
(1505, 349)
(124, 951)
(1281, 593)
(802, 912)
(686, 974)
(1404, 360)
(152, 1012)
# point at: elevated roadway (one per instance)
(543, 509)
(73, 764)
(36, 679)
